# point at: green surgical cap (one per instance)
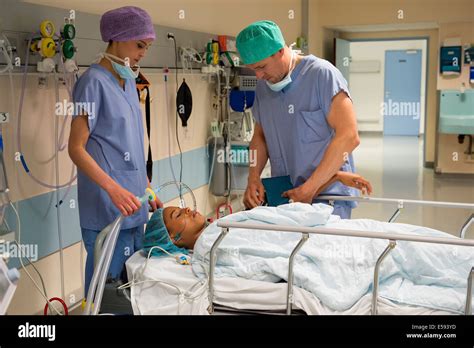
(156, 234)
(259, 41)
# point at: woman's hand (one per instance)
(155, 204)
(356, 181)
(125, 201)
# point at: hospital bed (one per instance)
(165, 287)
(165, 284)
(402, 203)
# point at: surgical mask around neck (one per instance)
(278, 86)
(124, 71)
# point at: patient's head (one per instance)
(184, 225)
(174, 230)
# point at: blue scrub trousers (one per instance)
(341, 208)
(128, 242)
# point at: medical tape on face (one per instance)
(177, 237)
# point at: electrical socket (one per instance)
(170, 36)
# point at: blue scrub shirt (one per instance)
(116, 143)
(294, 122)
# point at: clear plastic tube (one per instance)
(178, 184)
(108, 255)
(214, 152)
(58, 148)
(69, 90)
(58, 207)
(106, 251)
(20, 110)
(218, 110)
(169, 133)
(100, 269)
(6, 49)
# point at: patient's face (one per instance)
(189, 224)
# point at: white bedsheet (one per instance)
(338, 269)
(151, 297)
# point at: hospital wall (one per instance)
(450, 156)
(431, 109)
(440, 146)
(36, 204)
(367, 89)
(212, 16)
(383, 16)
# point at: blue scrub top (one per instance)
(116, 143)
(294, 122)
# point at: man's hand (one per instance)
(254, 193)
(304, 193)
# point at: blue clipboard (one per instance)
(274, 187)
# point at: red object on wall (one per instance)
(222, 42)
(55, 299)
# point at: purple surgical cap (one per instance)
(125, 24)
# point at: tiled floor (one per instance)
(394, 166)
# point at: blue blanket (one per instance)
(339, 270)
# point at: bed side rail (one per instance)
(402, 203)
(306, 231)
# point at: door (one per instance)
(343, 57)
(402, 105)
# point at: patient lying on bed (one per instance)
(338, 270)
(184, 226)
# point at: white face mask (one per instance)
(278, 86)
(124, 71)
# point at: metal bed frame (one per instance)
(391, 237)
(401, 203)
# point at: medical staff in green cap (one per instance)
(305, 120)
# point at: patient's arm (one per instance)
(348, 179)
(326, 185)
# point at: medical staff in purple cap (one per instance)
(107, 141)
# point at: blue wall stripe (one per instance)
(38, 217)
(195, 172)
(38, 214)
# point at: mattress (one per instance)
(166, 287)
